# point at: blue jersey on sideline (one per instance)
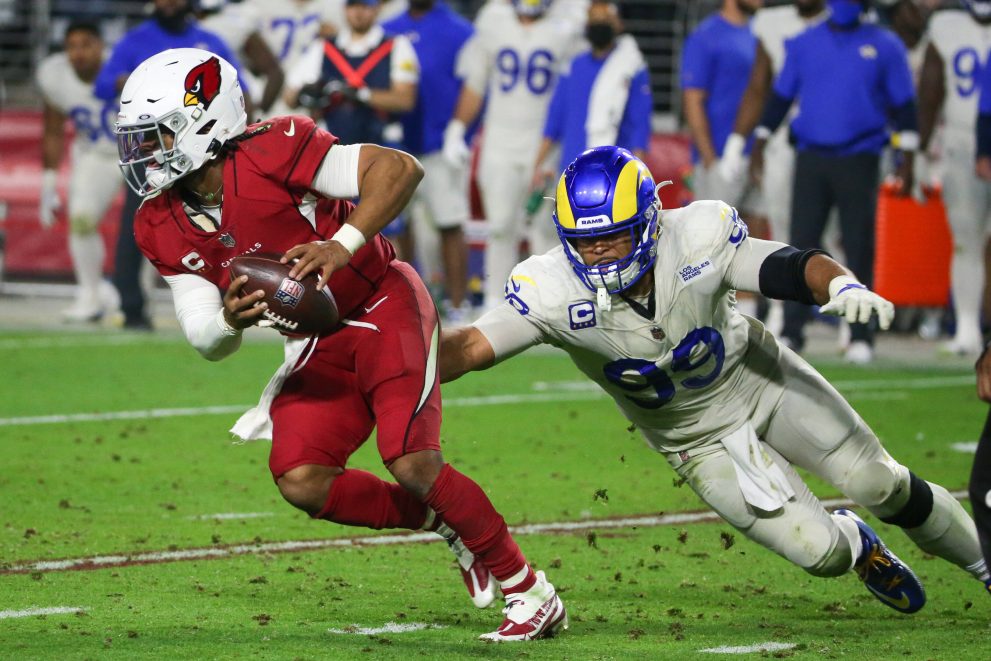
(569, 109)
(717, 58)
(846, 82)
(148, 39)
(437, 37)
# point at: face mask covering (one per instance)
(176, 24)
(845, 13)
(599, 35)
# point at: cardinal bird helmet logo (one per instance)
(202, 83)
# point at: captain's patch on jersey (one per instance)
(581, 315)
(692, 271)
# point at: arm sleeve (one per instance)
(554, 124)
(787, 83)
(338, 174)
(199, 309)
(508, 331)
(105, 86)
(695, 66)
(984, 133)
(635, 126)
(774, 269)
(744, 269)
(405, 64)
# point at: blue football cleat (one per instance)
(888, 578)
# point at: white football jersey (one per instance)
(234, 24)
(517, 66)
(93, 118)
(964, 44)
(773, 26)
(674, 376)
(289, 26)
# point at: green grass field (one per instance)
(144, 477)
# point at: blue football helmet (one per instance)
(979, 9)
(531, 7)
(603, 191)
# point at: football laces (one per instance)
(280, 321)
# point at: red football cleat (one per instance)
(536, 613)
(478, 579)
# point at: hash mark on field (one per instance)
(222, 552)
(750, 649)
(227, 516)
(969, 447)
(31, 612)
(388, 627)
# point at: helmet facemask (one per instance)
(147, 163)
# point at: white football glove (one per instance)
(732, 165)
(49, 202)
(848, 298)
(455, 150)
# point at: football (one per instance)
(294, 306)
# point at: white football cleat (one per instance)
(536, 613)
(83, 312)
(859, 353)
(478, 579)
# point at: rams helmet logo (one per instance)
(202, 83)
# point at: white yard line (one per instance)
(968, 447)
(157, 557)
(563, 391)
(31, 612)
(750, 649)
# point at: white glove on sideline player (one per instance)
(455, 150)
(849, 298)
(49, 202)
(732, 165)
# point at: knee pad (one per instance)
(835, 563)
(879, 485)
(918, 508)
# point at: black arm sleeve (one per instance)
(984, 135)
(782, 274)
(775, 111)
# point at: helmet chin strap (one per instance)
(603, 299)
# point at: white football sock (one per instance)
(968, 288)
(851, 531)
(950, 533)
(515, 579)
(87, 261)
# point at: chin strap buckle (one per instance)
(604, 299)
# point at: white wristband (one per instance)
(734, 146)
(350, 237)
(225, 328)
(364, 94)
(762, 133)
(837, 284)
(49, 179)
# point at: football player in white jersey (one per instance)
(239, 25)
(959, 43)
(289, 26)
(66, 83)
(772, 26)
(643, 302)
(513, 61)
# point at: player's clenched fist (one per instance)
(243, 311)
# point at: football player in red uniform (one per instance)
(214, 189)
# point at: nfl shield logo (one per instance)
(290, 292)
(227, 240)
(657, 333)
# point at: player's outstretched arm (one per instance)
(463, 350)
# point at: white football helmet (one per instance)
(189, 94)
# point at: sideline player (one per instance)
(66, 83)
(951, 84)
(214, 189)
(642, 301)
(512, 64)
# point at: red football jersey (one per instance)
(268, 207)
